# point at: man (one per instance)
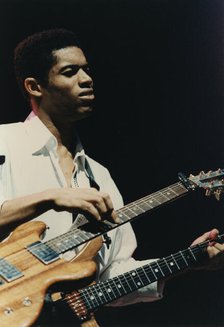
(45, 173)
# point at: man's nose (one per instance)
(84, 78)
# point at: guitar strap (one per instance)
(80, 219)
(90, 176)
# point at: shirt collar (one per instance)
(39, 134)
(41, 138)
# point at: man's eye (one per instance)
(70, 72)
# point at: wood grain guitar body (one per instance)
(26, 279)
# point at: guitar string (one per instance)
(24, 252)
(148, 269)
(126, 208)
(153, 196)
(140, 272)
(176, 186)
(65, 236)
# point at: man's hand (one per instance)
(87, 201)
(215, 250)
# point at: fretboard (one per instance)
(130, 211)
(102, 293)
(50, 250)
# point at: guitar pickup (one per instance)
(8, 271)
(43, 252)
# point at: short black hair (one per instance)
(33, 57)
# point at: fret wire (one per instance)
(167, 265)
(123, 213)
(89, 298)
(165, 196)
(114, 288)
(127, 278)
(97, 296)
(125, 281)
(130, 279)
(169, 191)
(133, 211)
(96, 299)
(192, 254)
(138, 207)
(148, 272)
(147, 277)
(112, 293)
(155, 270)
(160, 268)
(175, 261)
(98, 289)
(150, 266)
(61, 243)
(121, 283)
(154, 195)
(116, 285)
(133, 277)
(142, 276)
(73, 235)
(173, 187)
(183, 258)
(129, 212)
(148, 196)
(87, 301)
(106, 286)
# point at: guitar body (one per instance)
(22, 299)
(25, 278)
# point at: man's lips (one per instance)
(86, 93)
(87, 96)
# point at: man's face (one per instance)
(69, 94)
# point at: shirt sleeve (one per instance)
(3, 168)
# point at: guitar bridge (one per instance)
(78, 306)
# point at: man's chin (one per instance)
(83, 112)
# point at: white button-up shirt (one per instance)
(31, 165)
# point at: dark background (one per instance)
(158, 72)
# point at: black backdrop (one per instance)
(158, 72)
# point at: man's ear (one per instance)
(33, 87)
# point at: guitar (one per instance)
(85, 301)
(28, 266)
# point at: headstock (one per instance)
(212, 182)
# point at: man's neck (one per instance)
(63, 132)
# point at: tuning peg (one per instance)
(208, 192)
(202, 173)
(217, 194)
